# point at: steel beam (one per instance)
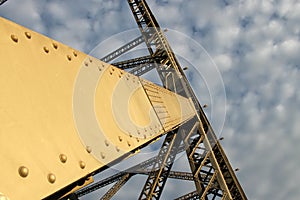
(142, 69)
(64, 96)
(95, 186)
(113, 190)
(189, 196)
(165, 159)
(123, 49)
(132, 63)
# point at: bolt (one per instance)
(82, 164)
(120, 138)
(51, 178)
(28, 35)
(102, 155)
(55, 45)
(89, 149)
(46, 49)
(106, 143)
(14, 38)
(69, 57)
(23, 171)
(63, 158)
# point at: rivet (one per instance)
(69, 57)
(14, 38)
(120, 138)
(46, 49)
(128, 143)
(117, 148)
(90, 60)
(99, 68)
(82, 164)
(106, 143)
(74, 53)
(113, 69)
(145, 136)
(55, 45)
(102, 155)
(63, 158)
(28, 35)
(137, 139)
(89, 149)
(86, 64)
(51, 178)
(23, 171)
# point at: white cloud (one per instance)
(223, 61)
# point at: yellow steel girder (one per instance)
(65, 114)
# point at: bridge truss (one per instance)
(210, 169)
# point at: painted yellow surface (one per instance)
(135, 103)
(65, 114)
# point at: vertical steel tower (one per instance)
(211, 171)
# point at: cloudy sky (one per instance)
(244, 50)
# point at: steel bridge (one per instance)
(67, 116)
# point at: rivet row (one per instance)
(46, 49)
(24, 171)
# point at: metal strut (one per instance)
(164, 162)
(189, 196)
(138, 66)
(113, 190)
(127, 64)
(123, 49)
(142, 69)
